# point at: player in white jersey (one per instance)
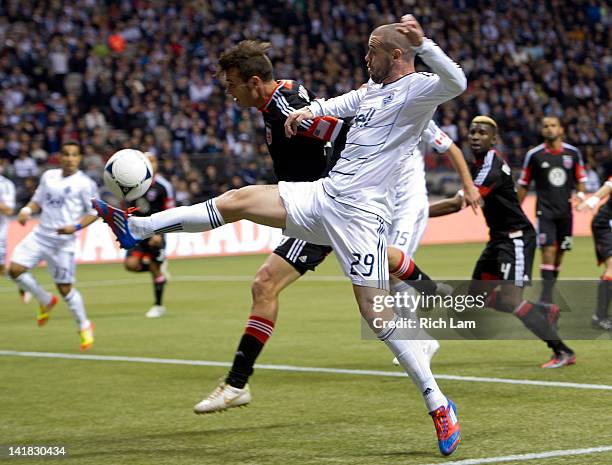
(352, 208)
(410, 215)
(63, 198)
(7, 206)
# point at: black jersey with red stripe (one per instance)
(555, 173)
(301, 157)
(159, 197)
(501, 208)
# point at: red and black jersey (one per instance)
(501, 209)
(301, 157)
(607, 207)
(556, 173)
(159, 197)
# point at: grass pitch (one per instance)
(111, 412)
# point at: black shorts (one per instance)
(557, 232)
(149, 253)
(302, 255)
(507, 258)
(602, 235)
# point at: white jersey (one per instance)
(412, 179)
(387, 126)
(63, 200)
(7, 197)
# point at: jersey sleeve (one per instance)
(342, 106)
(488, 176)
(436, 138)
(39, 193)
(579, 171)
(88, 192)
(448, 82)
(7, 194)
(526, 172)
(169, 200)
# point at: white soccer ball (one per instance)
(128, 174)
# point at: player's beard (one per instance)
(380, 73)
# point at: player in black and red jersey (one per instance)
(602, 235)
(150, 255)
(504, 267)
(557, 170)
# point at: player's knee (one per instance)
(132, 264)
(64, 289)
(15, 271)
(264, 287)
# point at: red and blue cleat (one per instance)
(447, 428)
(118, 221)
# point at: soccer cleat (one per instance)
(44, 310)
(447, 427)
(429, 348)
(25, 296)
(561, 360)
(87, 337)
(222, 398)
(118, 221)
(156, 311)
(601, 323)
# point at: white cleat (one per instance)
(156, 311)
(222, 398)
(429, 348)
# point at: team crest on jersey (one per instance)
(387, 100)
(151, 195)
(545, 165)
(557, 177)
(268, 135)
(568, 162)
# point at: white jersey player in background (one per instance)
(411, 212)
(7, 207)
(351, 209)
(63, 197)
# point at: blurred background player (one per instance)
(602, 236)
(64, 199)
(557, 169)
(7, 207)
(150, 255)
(504, 267)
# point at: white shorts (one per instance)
(410, 215)
(60, 259)
(357, 237)
(2, 251)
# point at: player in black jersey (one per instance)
(557, 169)
(602, 235)
(504, 267)
(150, 255)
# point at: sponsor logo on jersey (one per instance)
(362, 119)
(568, 162)
(557, 177)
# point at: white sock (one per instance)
(75, 304)
(416, 334)
(195, 218)
(27, 282)
(415, 363)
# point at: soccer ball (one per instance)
(128, 174)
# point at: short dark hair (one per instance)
(72, 142)
(249, 58)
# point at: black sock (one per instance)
(158, 285)
(244, 359)
(419, 280)
(604, 295)
(255, 336)
(548, 282)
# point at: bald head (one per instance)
(391, 39)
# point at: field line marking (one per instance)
(532, 456)
(338, 371)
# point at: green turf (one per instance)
(130, 413)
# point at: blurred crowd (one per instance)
(132, 73)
